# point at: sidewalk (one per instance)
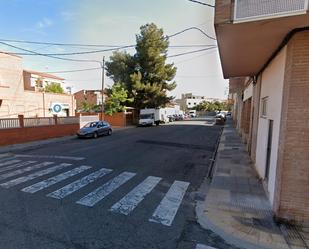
(236, 206)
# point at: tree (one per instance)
(117, 98)
(87, 107)
(145, 75)
(53, 88)
(39, 84)
(211, 106)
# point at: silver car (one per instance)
(95, 129)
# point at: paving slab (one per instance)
(236, 206)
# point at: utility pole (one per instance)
(103, 74)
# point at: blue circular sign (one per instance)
(57, 108)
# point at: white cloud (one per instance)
(69, 15)
(44, 23)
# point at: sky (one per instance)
(116, 22)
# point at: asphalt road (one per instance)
(134, 189)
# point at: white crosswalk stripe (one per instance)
(23, 170)
(101, 192)
(53, 157)
(9, 162)
(18, 165)
(37, 174)
(5, 155)
(78, 184)
(164, 213)
(168, 207)
(53, 180)
(200, 246)
(132, 199)
(5, 158)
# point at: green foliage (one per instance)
(145, 75)
(39, 83)
(53, 88)
(88, 107)
(211, 106)
(117, 98)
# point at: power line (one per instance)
(193, 28)
(195, 57)
(191, 52)
(45, 55)
(56, 55)
(86, 52)
(84, 46)
(209, 5)
(77, 70)
(96, 68)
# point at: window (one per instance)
(264, 107)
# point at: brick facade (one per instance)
(93, 97)
(292, 186)
(223, 11)
(29, 134)
(255, 108)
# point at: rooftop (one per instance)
(44, 75)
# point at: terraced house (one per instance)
(264, 50)
(22, 92)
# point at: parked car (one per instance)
(192, 113)
(171, 118)
(95, 129)
(220, 118)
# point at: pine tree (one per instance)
(146, 75)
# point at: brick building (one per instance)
(19, 93)
(264, 50)
(92, 97)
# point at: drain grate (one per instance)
(293, 236)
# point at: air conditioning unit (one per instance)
(253, 10)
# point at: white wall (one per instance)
(271, 87)
(193, 102)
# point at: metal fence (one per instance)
(33, 122)
(8, 123)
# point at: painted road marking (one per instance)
(78, 184)
(53, 180)
(30, 177)
(101, 192)
(9, 162)
(18, 165)
(132, 199)
(200, 246)
(54, 157)
(27, 169)
(5, 155)
(168, 207)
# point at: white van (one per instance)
(192, 113)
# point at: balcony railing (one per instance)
(252, 10)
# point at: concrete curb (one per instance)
(206, 223)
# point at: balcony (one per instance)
(253, 10)
(250, 31)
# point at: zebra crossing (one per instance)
(201, 246)
(15, 172)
